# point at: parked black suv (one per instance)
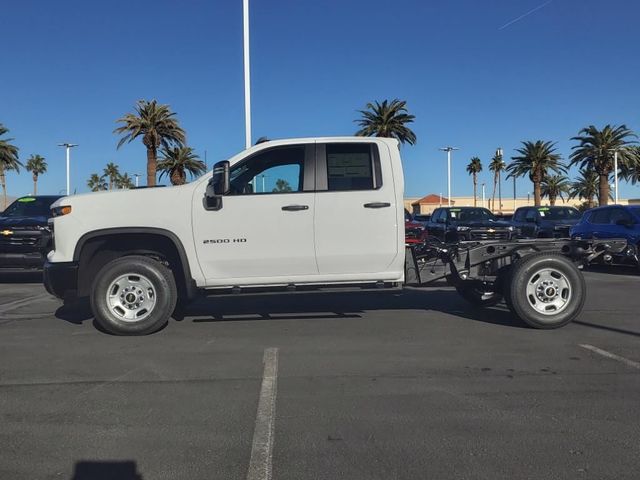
(545, 222)
(452, 224)
(25, 238)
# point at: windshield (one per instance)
(471, 214)
(29, 207)
(559, 213)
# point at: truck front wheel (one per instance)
(133, 295)
(546, 290)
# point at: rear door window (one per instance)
(350, 166)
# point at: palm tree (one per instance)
(282, 186)
(585, 187)
(112, 172)
(157, 125)
(124, 182)
(473, 169)
(630, 172)
(8, 161)
(37, 166)
(497, 166)
(177, 161)
(536, 159)
(554, 186)
(595, 151)
(387, 119)
(96, 182)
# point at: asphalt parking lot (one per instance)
(410, 385)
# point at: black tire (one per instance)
(478, 296)
(523, 274)
(164, 295)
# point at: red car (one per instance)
(414, 232)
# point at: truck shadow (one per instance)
(343, 305)
(324, 306)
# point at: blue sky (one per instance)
(71, 68)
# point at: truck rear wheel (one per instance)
(545, 290)
(133, 295)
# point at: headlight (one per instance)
(60, 211)
(463, 229)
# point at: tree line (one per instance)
(539, 160)
(161, 134)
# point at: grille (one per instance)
(486, 235)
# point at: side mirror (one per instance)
(440, 220)
(218, 186)
(530, 220)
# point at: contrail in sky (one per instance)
(525, 14)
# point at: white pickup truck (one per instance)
(332, 216)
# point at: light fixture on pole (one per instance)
(499, 155)
(615, 173)
(448, 150)
(68, 146)
(483, 198)
(247, 74)
(137, 175)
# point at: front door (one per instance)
(264, 229)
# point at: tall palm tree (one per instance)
(585, 187)
(8, 161)
(631, 170)
(112, 172)
(554, 186)
(37, 166)
(387, 119)
(157, 125)
(177, 161)
(497, 166)
(536, 159)
(124, 181)
(595, 150)
(96, 182)
(473, 169)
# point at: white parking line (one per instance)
(612, 356)
(263, 435)
(5, 307)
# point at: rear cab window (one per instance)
(348, 167)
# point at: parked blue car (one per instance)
(615, 221)
(545, 222)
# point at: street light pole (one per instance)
(499, 154)
(615, 173)
(247, 74)
(448, 150)
(68, 146)
(483, 198)
(137, 175)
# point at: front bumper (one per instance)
(27, 260)
(61, 279)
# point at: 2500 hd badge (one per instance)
(225, 240)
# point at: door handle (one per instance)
(295, 208)
(377, 205)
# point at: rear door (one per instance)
(356, 224)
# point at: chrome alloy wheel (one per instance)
(548, 291)
(131, 297)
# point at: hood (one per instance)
(482, 224)
(22, 222)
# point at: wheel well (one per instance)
(96, 251)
